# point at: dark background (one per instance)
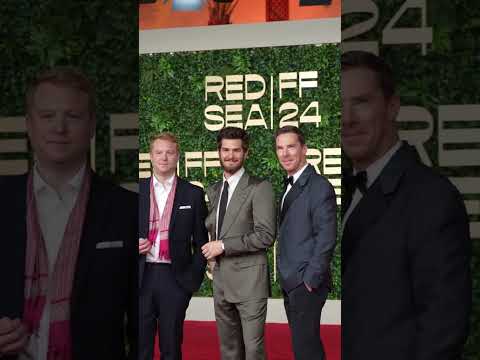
(98, 37)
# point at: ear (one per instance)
(304, 149)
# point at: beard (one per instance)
(231, 169)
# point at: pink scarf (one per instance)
(160, 224)
(59, 283)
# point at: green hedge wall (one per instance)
(172, 99)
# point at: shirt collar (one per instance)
(299, 173)
(74, 183)
(374, 169)
(235, 178)
(167, 184)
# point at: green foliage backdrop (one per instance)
(172, 99)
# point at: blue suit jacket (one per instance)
(406, 282)
(307, 232)
(186, 234)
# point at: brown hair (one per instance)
(363, 59)
(168, 136)
(233, 133)
(290, 129)
(63, 76)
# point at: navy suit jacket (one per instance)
(186, 234)
(103, 302)
(406, 286)
(307, 233)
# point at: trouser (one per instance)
(241, 327)
(163, 303)
(304, 310)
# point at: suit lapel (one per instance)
(144, 208)
(91, 230)
(16, 242)
(295, 191)
(365, 215)
(214, 199)
(177, 200)
(347, 193)
(375, 202)
(238, 198)
(143, 220)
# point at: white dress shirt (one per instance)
(373, 171)
(53, 209)
(232, 184)
(161, 195)
(295, 178)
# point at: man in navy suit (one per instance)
(406, 283)
(68, 248)
(307, 236)
(171, 266)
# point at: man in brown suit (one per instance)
(241, 221)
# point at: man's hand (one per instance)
(144, 246)
(212, 249)
(309, 288)
(13, 336)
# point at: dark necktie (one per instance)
(283, 199)
(353, 182)
(223, 207)
(358, 181)
(361, 181)
(288, 180)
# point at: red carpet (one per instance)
(201, 341)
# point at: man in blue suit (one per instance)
(171, 219)
(406, 248)
(68, 262)
(307, 237)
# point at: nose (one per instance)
(60, 124)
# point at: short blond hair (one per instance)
(63, 76)
(166, 135)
